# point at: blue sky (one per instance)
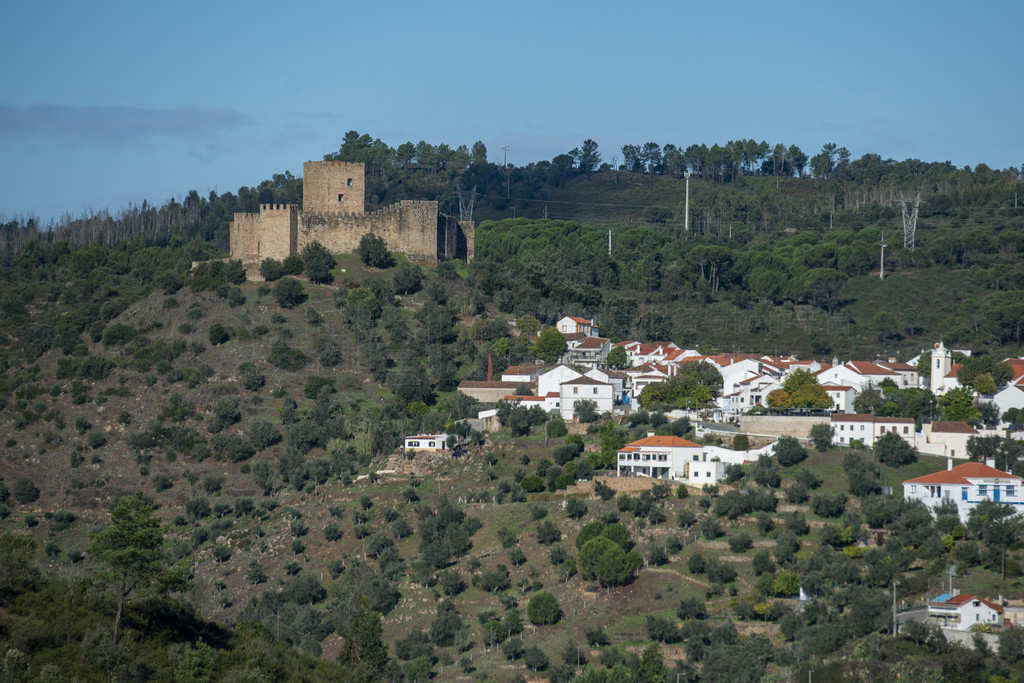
(103, 104)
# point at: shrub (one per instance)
(218, 334)
(789, 452)
(373, 251)
(271, 269)
(289, 293)
(25, 491)
(543, 609)
(263, 434)
(829, 504)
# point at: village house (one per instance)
(858, 374)
(585, 389)
(963, 612)
(661, 457)
(867, 428)
(573, 325)
(965, 485)
(946, 438)
(588, 352)
(426, 442)
(841, 395)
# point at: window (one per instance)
(913, 489)
(414, 444)
(431, 444)
(595, 390)
(575, 390)
(1011, 491)
(906, 430)
(883, 430)
(862, 428)
(982, 489)
(341, 197)
(842, 428)
(963, 493)
(696, 458)
(349, 182)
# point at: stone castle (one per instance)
(333, 214)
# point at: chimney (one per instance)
(949, 462)
(991, 462)
(490, 367)
(650, 432)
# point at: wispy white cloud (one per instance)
(116, 125)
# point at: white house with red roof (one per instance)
(965, 485)
(858, 374)
(570, 324)
(1011, 395)
(656, 352)
(947, 438)
(748, 393)
(963, 612)
(907, 372)
(585, 389)
(867, 428)
(588, 352)
(551, 380)
(662, 457)
(842, 396)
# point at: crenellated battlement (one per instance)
(333, 214)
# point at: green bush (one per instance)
(218, 334)
(543, 608)
(25, 491)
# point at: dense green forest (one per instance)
(278, 535)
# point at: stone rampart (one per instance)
(409, 227)
(781, 425)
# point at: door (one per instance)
(995, 493)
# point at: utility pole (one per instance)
(894, 608)
(881, 261)
(687, 176)
(507, 190)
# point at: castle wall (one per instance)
(409, 227)
(333, 215)
(272, 233)
(333, 187)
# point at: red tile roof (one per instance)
(662, 442)
(865, 368)
(586, 380)
(858, 417)
(965, 598)
(961, 473)
(957, 427)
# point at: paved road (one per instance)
(913, 615)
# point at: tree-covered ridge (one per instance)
(743, 183)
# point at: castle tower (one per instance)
(271, 233)
(333, 187)
(942, 363)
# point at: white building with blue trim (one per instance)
(966, 485)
